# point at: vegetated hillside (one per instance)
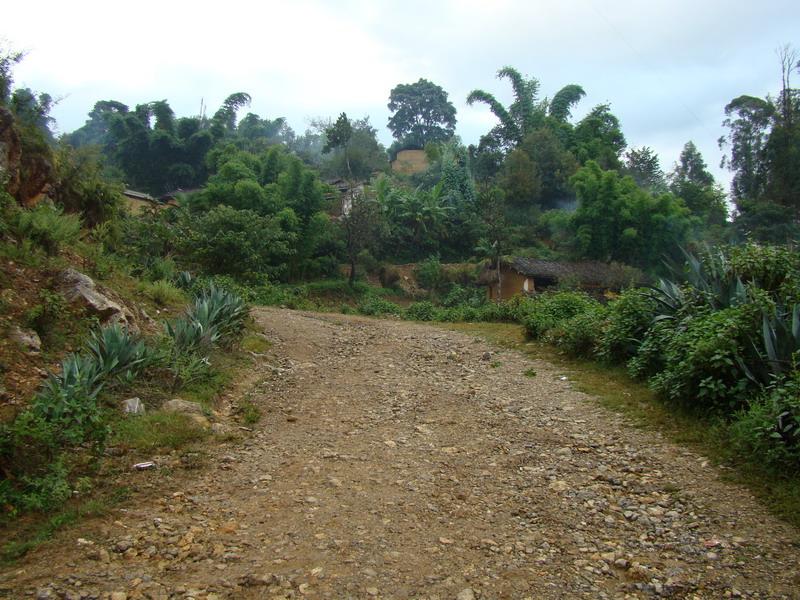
(94, 358)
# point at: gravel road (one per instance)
(397, 460)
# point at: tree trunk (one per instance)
(499, 281)
(352, 279)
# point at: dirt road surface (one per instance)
(397, 460)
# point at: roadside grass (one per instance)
(36, 531)
(255, 342)
(156, 431)
(616, 391)
(163, 293)
(251, 413)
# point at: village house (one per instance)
(175, 197)
(519, 275)
(341, 196)
(410, 162)
(138, 202)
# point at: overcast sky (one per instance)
(666, 68)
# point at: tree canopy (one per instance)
(422, 114)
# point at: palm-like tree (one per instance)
(526, 112)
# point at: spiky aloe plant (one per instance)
(219, 308)
(184, 280)
(714, 276)
(190, 334)
(116, 351)
(69, 400)
(781, 333)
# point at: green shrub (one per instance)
(48, 227)
(271, 295)
(162, 269)
(580, 335)
(453, 314)
(458, 295)
(703, 360)
(551, 309)
(241, 243)
(649, 358)
(767, 267)
(497, 312)
(429, 274)
(768, 431)
(47, 314)
(28, 445)
(516, 308)
(376, 306)
(246, 291)
(8, 207)
(627, 319)
(471, 314)
(43, 490)
(421, 311)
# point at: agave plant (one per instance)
(69, 400)
(115, 351)
(715, 278)
(669, 298)
(781, 333)
(217, 307)
(184, 280)
(190, 334)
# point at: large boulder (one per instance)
(81, 289)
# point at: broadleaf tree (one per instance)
(422, 113)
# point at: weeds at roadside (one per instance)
(251, 414)
(156, 431)
(42, 531)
